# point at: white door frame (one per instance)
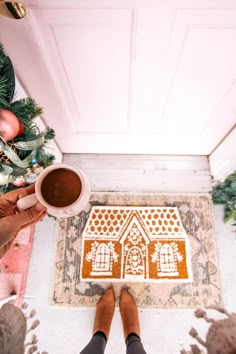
(222, 160)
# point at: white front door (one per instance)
(133, 76)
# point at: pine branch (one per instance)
(26, 109)
(46, 159)
(49, 133)
(2, 54)
(3, 92)
(7, 72)
(31, 132)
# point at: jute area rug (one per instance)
(196, 214)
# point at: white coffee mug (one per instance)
(61, 212)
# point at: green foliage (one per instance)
(7, 79)
(3, 92)
(49, 134)
(225, 193)
(26, 110)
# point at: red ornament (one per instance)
(9, 125)
(21, 129)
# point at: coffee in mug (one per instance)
(63, 189)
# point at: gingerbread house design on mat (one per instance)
(135, 244)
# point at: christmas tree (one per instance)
(22, 144)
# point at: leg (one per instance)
(102, 323)
(96, 345)
(134, 345)
(130, 320)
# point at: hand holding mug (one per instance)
(12, 221)
(62, 189)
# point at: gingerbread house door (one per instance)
(135, 263)
(134, 250)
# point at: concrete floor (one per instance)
(67, 330)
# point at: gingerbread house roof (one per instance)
(156, 221)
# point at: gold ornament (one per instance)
(3, 157)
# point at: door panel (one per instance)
(148, 77)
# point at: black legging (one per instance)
(98, 343)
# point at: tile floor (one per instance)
(67, 330)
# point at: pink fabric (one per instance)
(14, 266)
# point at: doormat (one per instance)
(135, 244)
(14, 266)
(196, 215)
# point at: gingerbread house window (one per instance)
(102, 259)
(167, 259)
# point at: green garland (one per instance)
(25, 152)
(7, 80)
(225, 193)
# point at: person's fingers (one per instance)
(39, 206)
(25, 217)
(4, 249)
(13, 196)
(29, 190)
(40, 218)
(23, 192)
